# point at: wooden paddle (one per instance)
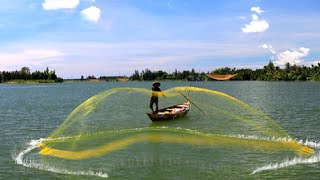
(191, 102)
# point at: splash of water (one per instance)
(315, 158)
(34, 144)
(288, 163)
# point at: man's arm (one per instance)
(162, 93)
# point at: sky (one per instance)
(112, 37)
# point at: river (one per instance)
(29, 112)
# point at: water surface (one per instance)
(31, 112)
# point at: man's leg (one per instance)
(156, 102)
(151, 105)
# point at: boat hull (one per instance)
(170, 113)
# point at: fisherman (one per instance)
(154, 98)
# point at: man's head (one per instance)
(156, 84)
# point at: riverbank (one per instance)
(122, 79)
(21, 81)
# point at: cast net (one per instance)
(221, 77)
(110, 133)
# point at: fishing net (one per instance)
(220, 77)
(110, 134)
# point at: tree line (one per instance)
(269, 72)
(148, 75)
(25, 74)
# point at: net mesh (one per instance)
(112, 127)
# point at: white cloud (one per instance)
(257, 10)
(287, 56)
(42, 53)
(255, 17)
(315, 62)
(256, 25)
(292, 57)
(269, 47)
(91, 14)
(33, 57)
(264, 46)
(71, 60)
(60, 4)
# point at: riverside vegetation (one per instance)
(25, 76)
(269, 72)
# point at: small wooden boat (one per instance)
(171, 112)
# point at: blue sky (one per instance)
(112, 37)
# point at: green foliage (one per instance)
(58, 80)
(148, 75)
(110, 78)
(269, 72)
(25, 76)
